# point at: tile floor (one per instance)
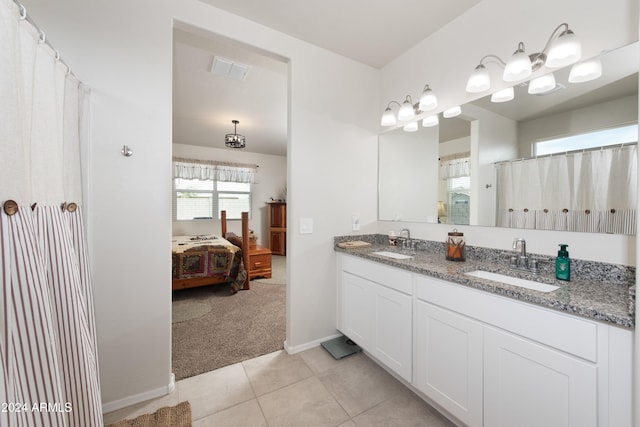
(306, 389)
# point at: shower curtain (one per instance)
(591, 191)
(48, 351)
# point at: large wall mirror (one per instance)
(487, 166)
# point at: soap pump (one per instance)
(563, 264)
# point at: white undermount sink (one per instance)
(513, 281)
(393, 255)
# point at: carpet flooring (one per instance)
(212, 328)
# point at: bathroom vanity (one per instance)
(489, 353)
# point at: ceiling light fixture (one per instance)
(234, 140)
(562, 48)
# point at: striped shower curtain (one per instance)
(48, 351)
(591, 191)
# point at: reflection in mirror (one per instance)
(494, 133)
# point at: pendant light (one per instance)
(234, 140)
(585, 71)
(503, 95)
(406, 111)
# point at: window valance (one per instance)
(454, 166)
(214, 171)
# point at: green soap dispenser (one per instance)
(563, 264)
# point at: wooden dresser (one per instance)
(259, 262)
(277, 213)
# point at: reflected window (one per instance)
(601, 138)
(458, 190)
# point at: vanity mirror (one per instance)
(487, 133)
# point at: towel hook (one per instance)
(126, 151)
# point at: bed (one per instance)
(211, 259)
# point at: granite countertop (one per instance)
(608, 297)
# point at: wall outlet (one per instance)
(355, 223)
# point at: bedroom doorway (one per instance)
(217, 80)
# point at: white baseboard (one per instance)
(141, 397)
(306, 346)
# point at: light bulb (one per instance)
(452, 112)
(518, 67)
(479, 81)
(585, 71)
(428, 100)
(411, 127)
(388, 118)
(542, 84)
(503, 95)
(430, 121)
(406, 112)
(564, 51)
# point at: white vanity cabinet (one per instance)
(448, 366)
(516, 364)
(530, 385)
(486, 359)
(375, 311)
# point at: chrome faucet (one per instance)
(406, 230)
(406, 242)
(523, 261)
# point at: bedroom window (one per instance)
(204, 199)
(203, 188)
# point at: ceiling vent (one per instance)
(228, 68)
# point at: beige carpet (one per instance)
(212, 328)
(169, 416)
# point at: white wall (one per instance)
(446, 59)
(271, 178)
(123, 51)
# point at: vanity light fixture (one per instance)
(408, 110)
(234, 140)
(585, 71)
(562, 48)
(430, 121)
(503, 95)
(542, 84)
(452, 112)
(428, 99)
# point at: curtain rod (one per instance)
(43, 37)
(215, 163)
(571, 152)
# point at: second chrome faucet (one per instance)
(522, 261)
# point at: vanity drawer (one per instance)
(390, 277)
(564, 332)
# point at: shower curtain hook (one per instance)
(23, 12)
(57, 55)
(43, 37)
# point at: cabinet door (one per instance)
(393, 333)
(449, 361)
(529, 385)
(358, 310)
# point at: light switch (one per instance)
(306, 225)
